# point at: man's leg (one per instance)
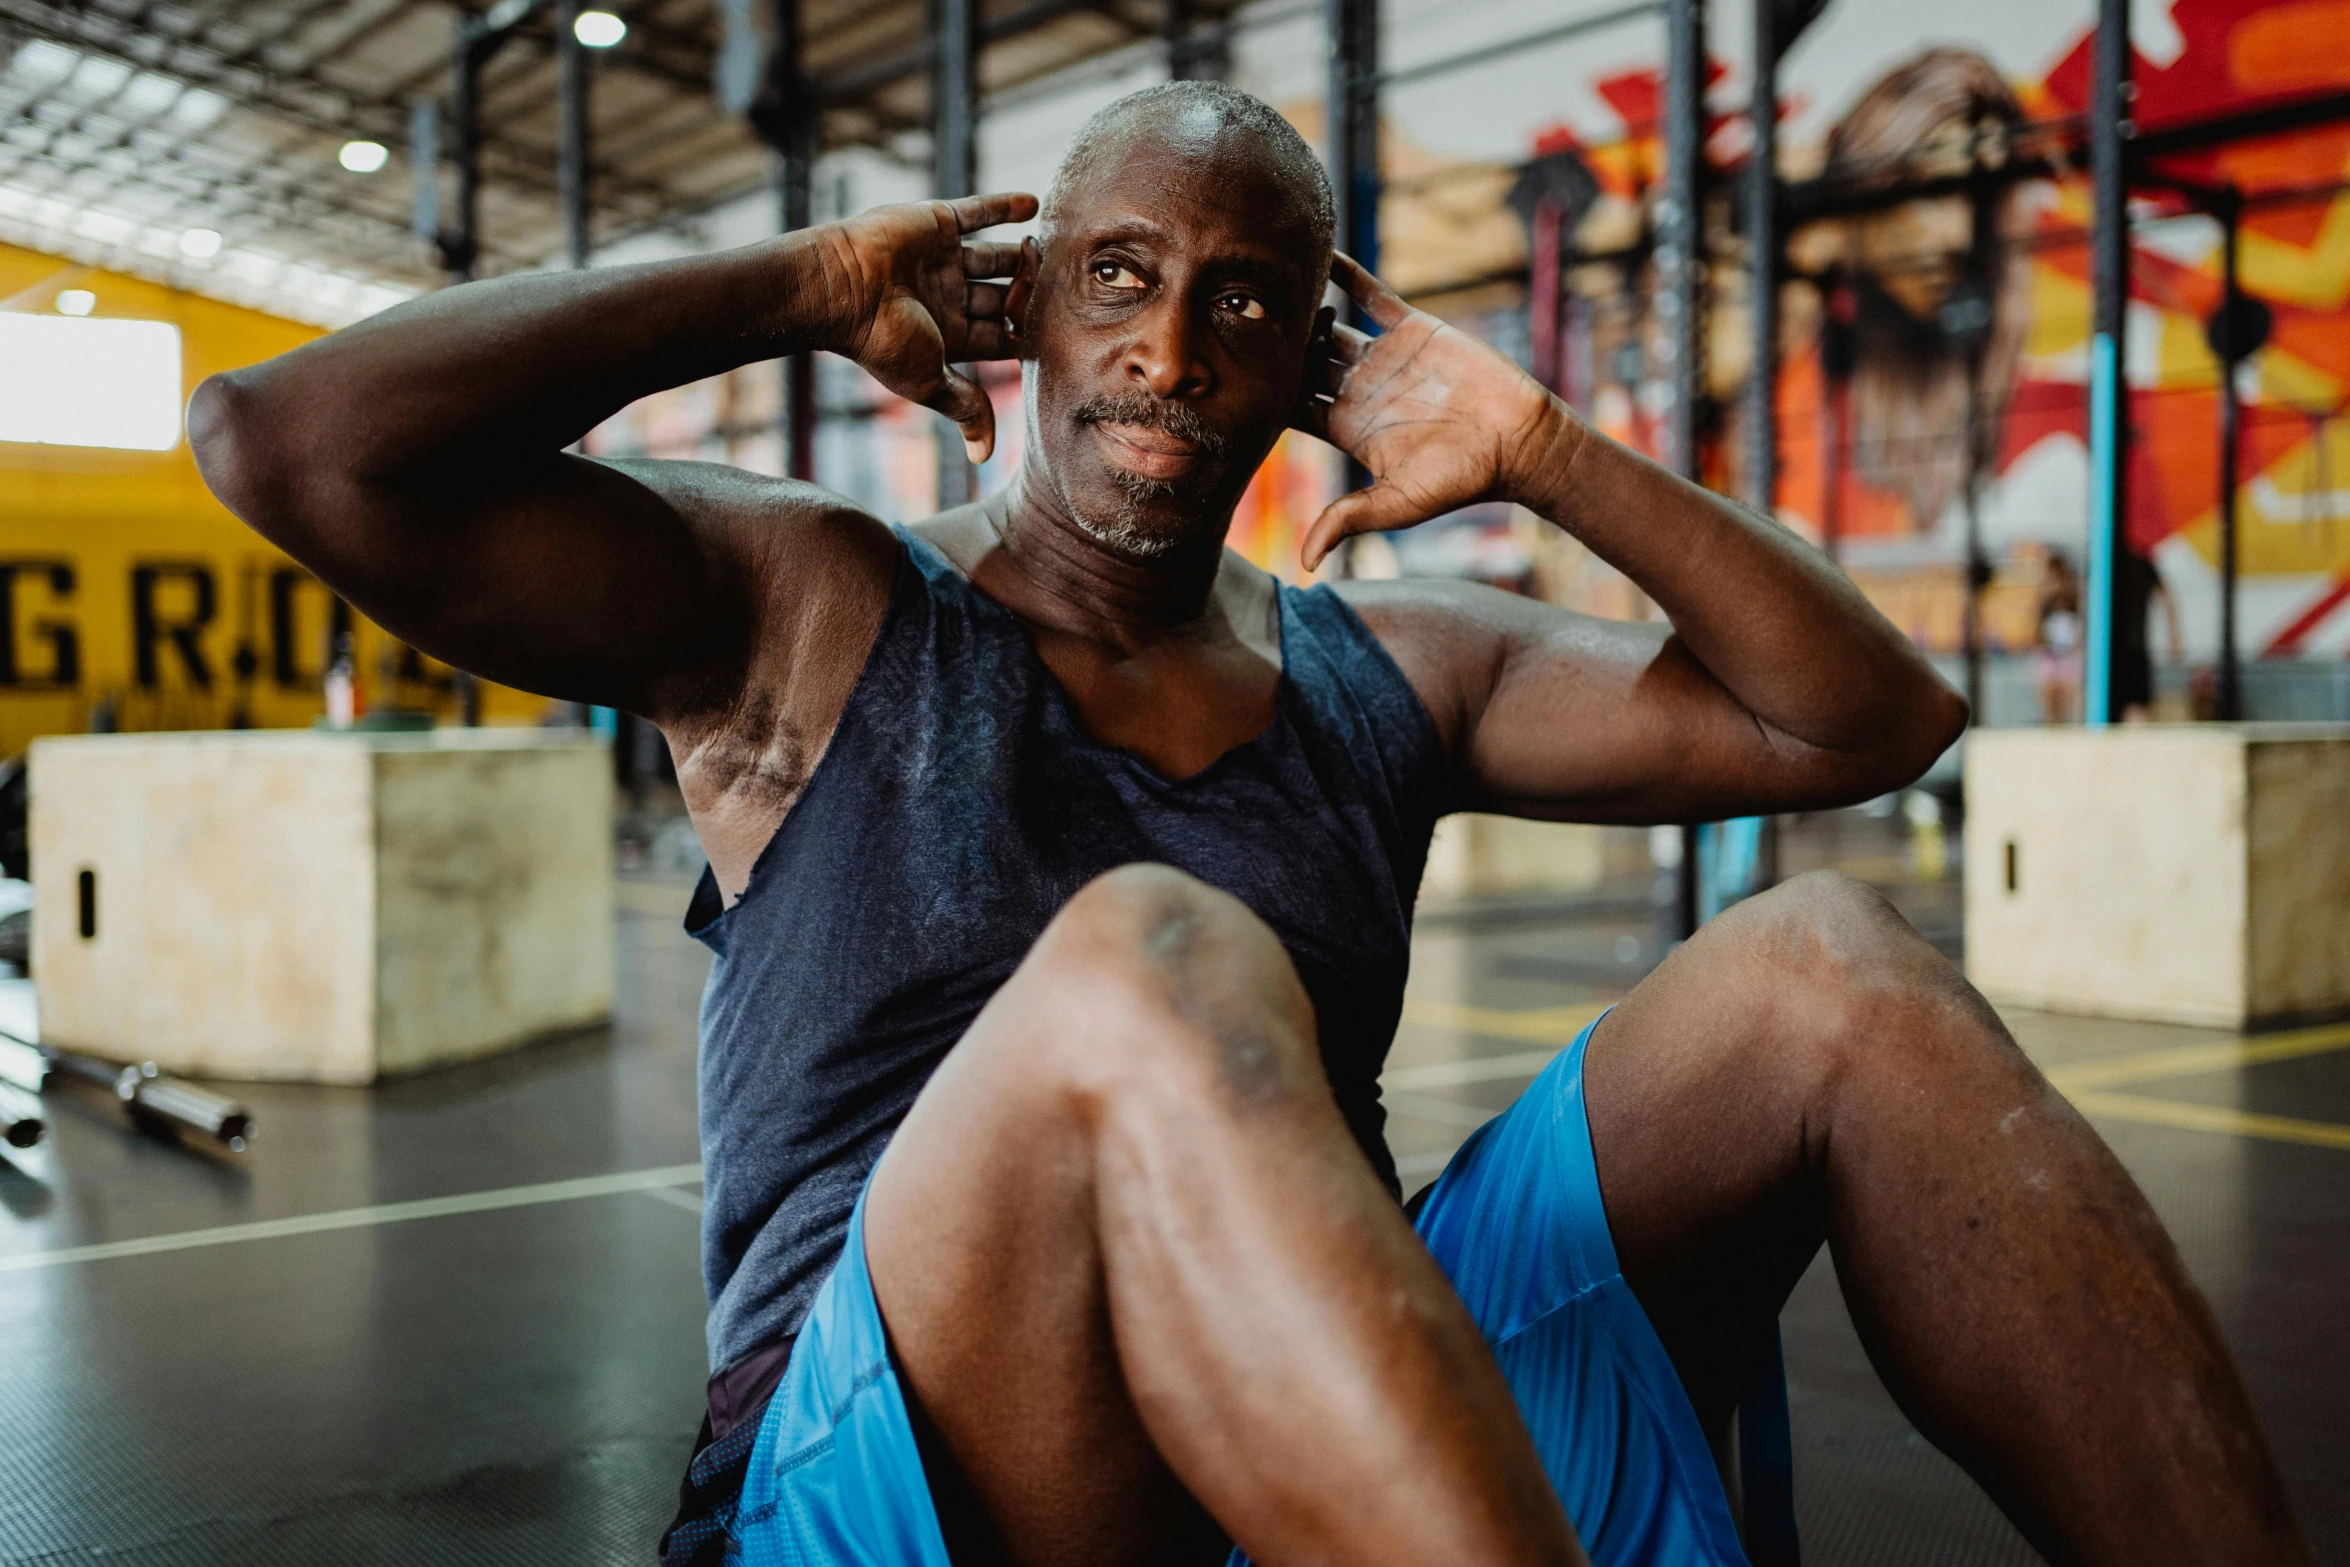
(1808, 1068)
(1128, 1255)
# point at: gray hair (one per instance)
(1119, 126)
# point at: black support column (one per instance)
(786, 116)
(2109, 384)
(1354, 127)
(461, 239)
(954, 130)
(1680, 230)
(1353, 103)
(1194, 53)
(1762, 244)
(571, 117)
(2239, 334)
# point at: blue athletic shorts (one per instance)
(1516, 1223)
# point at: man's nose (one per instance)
(1164, 356)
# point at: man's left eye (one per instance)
(1245, 306)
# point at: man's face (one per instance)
(1168, 335)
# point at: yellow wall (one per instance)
(88, 537)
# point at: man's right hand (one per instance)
(921, 299)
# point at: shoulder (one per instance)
(799, 534)
(813, 570)
(1449, 638)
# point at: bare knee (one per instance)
(1830, 922)
(1856, 989)
(1151, 982)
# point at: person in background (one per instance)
(2138, 589)
(2056, 662)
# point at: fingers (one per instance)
(1377, 300)
(967, 405)
(1374, 510)
(990, 340)
(992, 258)
(985, 301)
(973, 213)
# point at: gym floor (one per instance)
(459, 1318)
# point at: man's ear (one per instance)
(1020, 298)
(1319, 384)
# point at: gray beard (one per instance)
(1122, 531)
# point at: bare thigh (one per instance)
(983, 1238)
(1808, 1069)
(1129, 1255)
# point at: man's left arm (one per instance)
(1772, 685)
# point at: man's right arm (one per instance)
(417, 462)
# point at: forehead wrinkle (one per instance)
(1251, 253)
(1124, 225)
(1247, 251)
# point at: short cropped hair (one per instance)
(1128, 121)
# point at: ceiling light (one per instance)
(200, 244)
(598, 29)
(364, 157)
(99, 77)
(199, 107)
(43, 61)
(76, 302)
(150, 93)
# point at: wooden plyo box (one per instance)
(2191, 873)
(319, 907)
(1479, 856)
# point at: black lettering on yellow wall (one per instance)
(64, 658)
(151, 627)
(288, 665)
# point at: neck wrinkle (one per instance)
(1079, 586)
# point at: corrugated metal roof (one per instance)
(132, 130)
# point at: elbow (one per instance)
(1931, 722)
(1949, 720)
(229, 436)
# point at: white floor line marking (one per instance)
(1453, 1074)
(1428, 1107)
(362, 1218)
(676, 1197)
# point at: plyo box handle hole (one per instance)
(87, 887)
(2012, 857)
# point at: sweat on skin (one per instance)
(1111, 1364)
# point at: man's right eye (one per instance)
(1111, 275)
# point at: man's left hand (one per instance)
(1440, 419)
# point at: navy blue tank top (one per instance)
(957, 807)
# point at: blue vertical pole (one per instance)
(2109, 405)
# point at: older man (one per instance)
(1061, 874)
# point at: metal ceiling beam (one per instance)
(309, 80)
(844, 88)
(194, 60)
(217, 178)
(294, 208)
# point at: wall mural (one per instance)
(1937, 340)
